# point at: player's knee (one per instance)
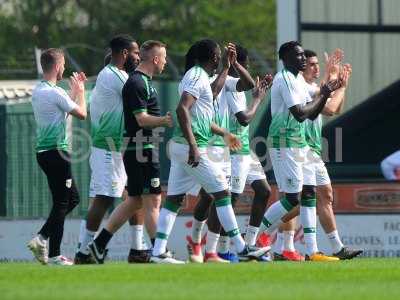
(325, 195)
(205, 197)
(175, 200)
(105, 201)
(261, 189)
(293, 198)
(234, 198)
(308, 192)
(221, 194)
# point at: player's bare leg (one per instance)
(328, 222)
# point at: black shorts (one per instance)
(143, 170)
(55, 164)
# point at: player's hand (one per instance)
(260, 90)
(232, 141)
(168, 120)
(82, 76)
(328, 88)
(228, 56)
(346, 74)
(194, 156)
(332, 64)
(76, 83)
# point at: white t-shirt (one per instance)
(287, 90)
(197, 83)
(223, 105)
(106, 109)
(313, 128)
(237, 102)
(51, 105)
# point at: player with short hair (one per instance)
(190, 162)
(243, 166)
(314, 166)
(106, 113)
(51, 107)
(291, 105)
(142, 117)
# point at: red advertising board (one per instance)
(349, 198)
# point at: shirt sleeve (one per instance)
(312, 90)
(231, 83)
(236, 102)
(64, 102)
(193, 83)
(136, 95)
(289, 94)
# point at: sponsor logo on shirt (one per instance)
(68, 183)
(155, 182)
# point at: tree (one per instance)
(84, 23)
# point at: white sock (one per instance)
(197, 229)
(308, 218)
(228, 221)
(273, 227)
(88, 237)
(212, 242)
(335, 241)
(274, 214)
(278, 245)
(288, 241)
(251, 235)
(42, 238)
(224, 244)
(136, 237)
(165, 223)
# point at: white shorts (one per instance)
(209, 174)
(108, 173)
(314, 170)
(246, 168)
(288, 168)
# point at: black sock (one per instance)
(103, 239)
(152, 241)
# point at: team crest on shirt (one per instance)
(290, 182)
(235, 181)
(68, 183)
(155, 182)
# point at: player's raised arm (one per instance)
(335, 105)
(246, 116)
(312, 109)
(246, 82)
(227, 57)
(77, 86)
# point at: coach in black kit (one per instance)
(140, 157)
(141, 116)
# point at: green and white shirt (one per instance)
(222, 108)
(51, 105)
(237, 102)
(106, 111)
(313, 128)
(285, 131)
(197, 83)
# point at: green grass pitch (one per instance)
(358, 279)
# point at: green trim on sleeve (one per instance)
(147, 86)
(136, 111)
(116, 73)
